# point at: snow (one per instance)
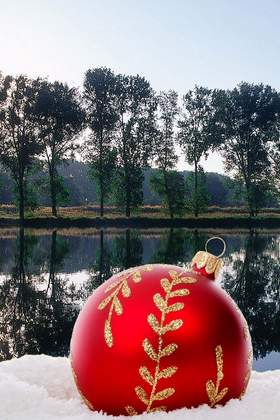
(42, 388)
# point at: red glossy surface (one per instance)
(107, 376)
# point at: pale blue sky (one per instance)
(174, 44)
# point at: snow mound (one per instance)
(42, 388)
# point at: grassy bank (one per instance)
(148, 217)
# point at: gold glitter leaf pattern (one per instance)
(160, 408)
(165, 284)
(160, 328)
(221, 394)
(108, 333)
(162, 395)
(168, 372)
(105, 302)
(136, 277)
(175, 307)
(118, 306)
(159, 302)
(188, 280)
(126, 292)
(152, 320)
(178, 279)
(141, 394)
(131, 411)
(117, 286)
(179, 292)
(248, 374)
(149, 350)
(172, 326)
(112, 285)
(146, 375)
(212, 390)
(168, 350)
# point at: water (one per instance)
(45, 276)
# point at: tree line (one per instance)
(120, 126)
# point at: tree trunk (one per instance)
(195, 190)
(21, 254)
(53, 190)
(101, 197)
(21, 200)
(167, 191)
(249, 197)
(127, 208)
(52, 267)
(52, 262)
(128, 196)
(101, 181)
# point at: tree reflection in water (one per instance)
(254, 284)
(37, 316)
(40, 299)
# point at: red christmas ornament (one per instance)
(157, 337)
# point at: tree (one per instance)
(198, 198)
(19, 144)
(274, 158)
(60, 118)
(134, 141)
(100, 101)
(196, 131)
(246, 119)
(170, 186)
(166, 157)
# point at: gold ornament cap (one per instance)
(207, 264)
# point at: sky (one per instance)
(175, 44)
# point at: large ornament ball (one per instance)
(156, 337)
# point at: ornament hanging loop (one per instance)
(218, 239)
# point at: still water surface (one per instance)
(45, 276)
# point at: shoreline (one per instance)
(235, 221)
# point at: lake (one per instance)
(45, 276)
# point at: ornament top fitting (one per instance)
(207, 264)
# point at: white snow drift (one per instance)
(42, 388)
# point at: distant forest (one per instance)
(222, 191)
(120, 128)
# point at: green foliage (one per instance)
(60, 118)
(100, 98)
(170, 186)
(196, 127)
(246, 120)
(164, 137)
(128, 129)
(62, 192)
(107, 173)
(30, 193)
(136, 125)
(19, 143)
(165, 155)
(136, 179)
(198, 198)
(197, 134)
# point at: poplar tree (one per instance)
(196, 133)
(19, 141)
